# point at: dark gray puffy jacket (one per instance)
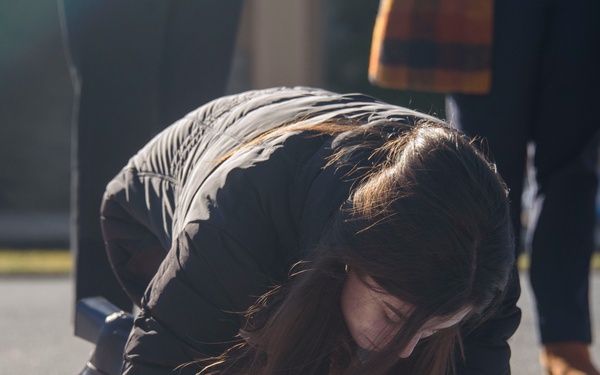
(192, 239)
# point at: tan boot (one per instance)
(567, 358)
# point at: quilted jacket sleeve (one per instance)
(486, 349)
(130, 215)
(237, 241)
(191, 311)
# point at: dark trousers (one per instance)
(138, 65)
(546, 90)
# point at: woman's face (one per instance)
(374, 318)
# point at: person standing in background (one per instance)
(137, 66)
(519, 73)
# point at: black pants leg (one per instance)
(140, 65)
(566, 139)
(545, 91)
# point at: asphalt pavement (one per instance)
(36, 329)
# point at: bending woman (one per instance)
(299, 231)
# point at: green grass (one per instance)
(35, 262)
(59, 261)
(523, 261)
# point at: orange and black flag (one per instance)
(433, 45)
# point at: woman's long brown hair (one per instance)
(428, 221)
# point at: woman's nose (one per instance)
(410, 347)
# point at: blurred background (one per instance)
(322, 43)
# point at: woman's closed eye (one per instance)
(393, 315)
(393, 319)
